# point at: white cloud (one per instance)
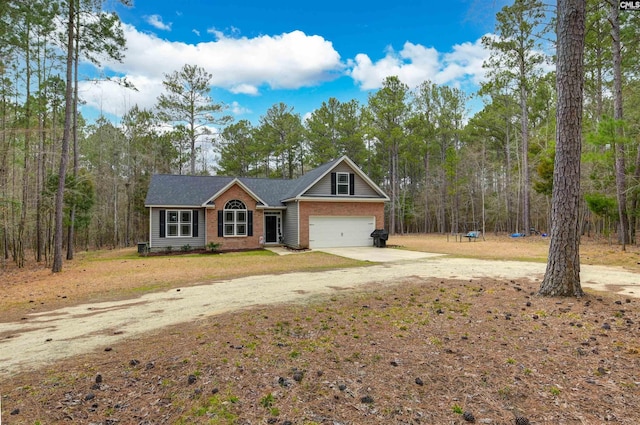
(307, 116)
(465, 62)
(216, 33)
(109, 97)
(240, 65)
(219, 34)
(415, 64)
(156, 22)
(244, 89)
(291, 61)
(237, 109)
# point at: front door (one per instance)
(272, 227)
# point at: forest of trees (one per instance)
(445, 169)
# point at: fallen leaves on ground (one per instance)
(418, 352)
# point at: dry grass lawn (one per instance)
(420, 352)
(122, 273)
(503, 247)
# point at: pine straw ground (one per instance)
(419, 352)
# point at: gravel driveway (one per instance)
(49, 336)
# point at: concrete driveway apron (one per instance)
(378, 255)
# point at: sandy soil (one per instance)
(42, 338)
(118, 339)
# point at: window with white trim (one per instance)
(179, 224)
(235, 218)
(342, 183)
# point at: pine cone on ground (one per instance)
(522, 420)
(468, 416)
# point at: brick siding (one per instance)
(235, 242)
(337, 209)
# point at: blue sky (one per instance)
(300, 53)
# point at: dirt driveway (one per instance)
(42, 338)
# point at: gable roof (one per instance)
(244, 187)
(307, 180)
(311, 178)
(181, 190)
(196, 191)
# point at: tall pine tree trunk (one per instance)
(64, 151)
(621, 180)
(427, 227)
(42, 123)
(635, 201)
(396, 188)
(508, 177)
(526, 179)
(22, 224)
(4, 181)
(562, 276)
(72, 213)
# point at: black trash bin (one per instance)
(380, 237)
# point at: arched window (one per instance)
(235, 218)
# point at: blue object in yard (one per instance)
(472, 235)
(518, 235)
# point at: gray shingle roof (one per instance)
(170, 189)
(304, 181)
(271, 191)
(192, 191)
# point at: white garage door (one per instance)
(328, 232)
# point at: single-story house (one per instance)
(334, 205)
